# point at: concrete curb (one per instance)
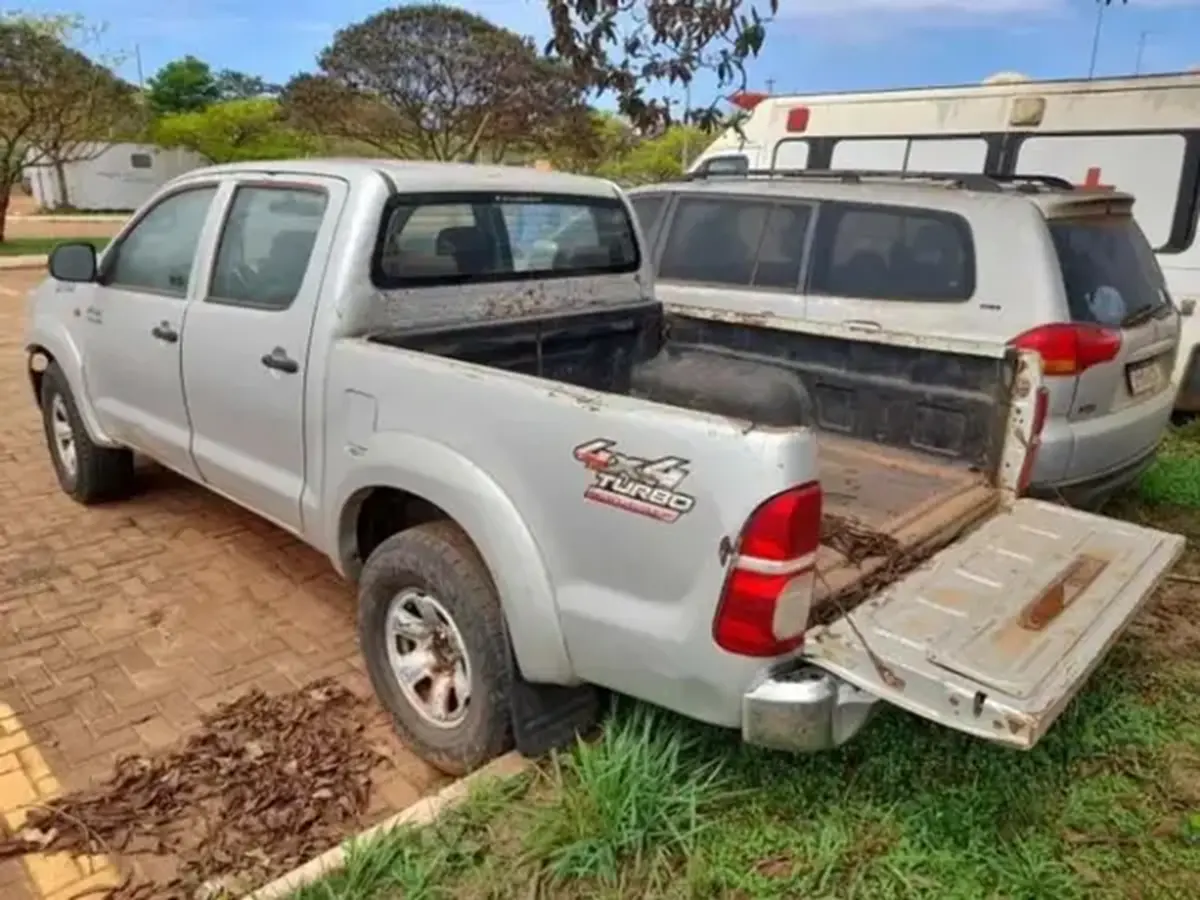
(12, 263)
(421, 813)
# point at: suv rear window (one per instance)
(892, 253)
(455, 238)
(1109, 270)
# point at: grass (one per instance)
(1107, 805)
(41, 246)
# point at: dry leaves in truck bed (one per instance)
(854, 540)
(858, 543)
(265, 784)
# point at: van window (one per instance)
(892, 253)
(1109, 271)
(729, 164)
(742, 243)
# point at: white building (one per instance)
(118, 177)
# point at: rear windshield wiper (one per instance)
(1139, 316)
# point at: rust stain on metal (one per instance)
(1080, 574)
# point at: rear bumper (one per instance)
(1106, 451)
(1090, 491)
(804, 710)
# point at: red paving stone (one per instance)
(120, 625)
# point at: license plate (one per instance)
(1144, 378)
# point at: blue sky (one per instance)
(815, 45)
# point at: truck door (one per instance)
(246, 348)
(132, 324)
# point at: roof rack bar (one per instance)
(972, 181)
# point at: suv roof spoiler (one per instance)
(971, 181)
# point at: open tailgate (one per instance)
(996, 633)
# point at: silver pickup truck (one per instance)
(542, 485)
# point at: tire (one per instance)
(87, 472)
(436, 561)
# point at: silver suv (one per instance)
(916, 258)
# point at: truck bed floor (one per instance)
(920, 503)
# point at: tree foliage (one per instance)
(235, 130)
(643, 52)
(435, 82)
(235, 85)
(56, 105)
(182, 85)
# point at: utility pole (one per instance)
(770, 86)
(1101, 5)
(1137, 65)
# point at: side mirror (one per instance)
(1187, 306)
(73, 261)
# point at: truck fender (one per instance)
(479, 506)
(52, 339)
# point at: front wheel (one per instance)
(86, 471)
(433, 636)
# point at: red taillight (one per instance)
(764, 607)
(1068, 349)
(797, 119)
(1041, 407)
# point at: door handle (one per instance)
(164, 332)
(278, 360)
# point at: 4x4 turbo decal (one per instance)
(643, 486)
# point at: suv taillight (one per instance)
(1070, 348)
(765, 604)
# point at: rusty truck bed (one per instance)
(916, 504)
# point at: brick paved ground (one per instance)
(120, 625)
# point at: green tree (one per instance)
(235, 130)
(643, 52)
(56, 105)
(435, 82)
(234, 85)
(658, 159)
(183, 85)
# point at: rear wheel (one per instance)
(86, 471)
(433, 636)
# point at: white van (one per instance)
(1141, 135)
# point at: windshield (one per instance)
(1109, 271)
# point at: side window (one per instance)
(782, 248)
(730, 164)
(266, 245)
(156, 256)
(743, 243)
(892, 253)
(647, 208)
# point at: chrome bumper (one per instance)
(803, 710)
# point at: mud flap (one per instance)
(996, 633)
(549, 717)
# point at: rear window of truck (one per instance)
(456, 238)
(1109, 270)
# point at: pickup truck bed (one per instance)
(910, 502)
